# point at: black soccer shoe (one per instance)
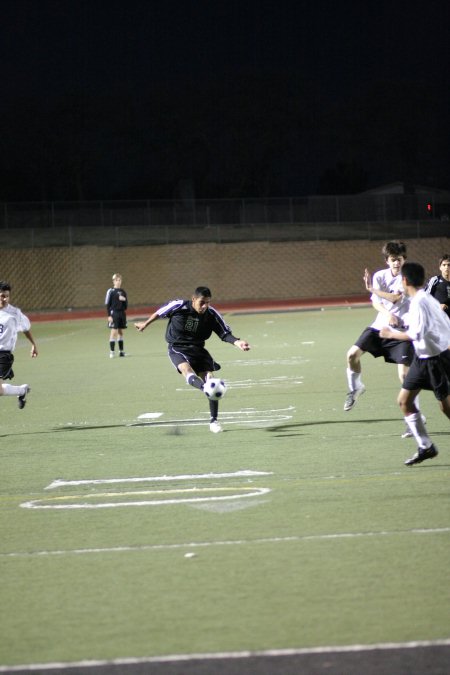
(21, 400)
(422, 454)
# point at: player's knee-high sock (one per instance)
(353, 380)
(213, 409)
(194, 381)
(112, 344)
(12, 390)
(417, 427)
(120, 343)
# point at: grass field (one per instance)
(129, 530)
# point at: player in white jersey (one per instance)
(392, 308)
(12, 321)
(429, 332)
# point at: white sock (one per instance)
(353, 380)
(12, 390)
(417, 428)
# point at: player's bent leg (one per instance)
(445, 406)
(355, 386)
(413, 418)
(190, 375)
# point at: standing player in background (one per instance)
(191, 322)
(439, 286)
(429, 331)
(116, 302)
(12, 321)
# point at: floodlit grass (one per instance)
(326, 540)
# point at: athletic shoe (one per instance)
(215, 427)
(111, 355)
(122, 354)
(352, 396)
(408, 433)
(422, 454)
(21, 400)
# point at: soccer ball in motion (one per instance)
(214, 388)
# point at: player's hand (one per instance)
(385, 332)
(242, 344)
(368, 280)
(34, 352)
(394, 321)
(140, 325)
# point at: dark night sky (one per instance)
(117, 99)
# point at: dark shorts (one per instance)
(118, 320)
(6, 362)
(198, 358)
(432, 374)
(393, 351)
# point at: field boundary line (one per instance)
(230, 542)
(179, 658)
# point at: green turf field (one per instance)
(302, 526)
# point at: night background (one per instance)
(206, 99)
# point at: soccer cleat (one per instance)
(111, 355)
(21, 400)
(408, 433)
(122, 354)
(352, 396)
(215, 427)
(422, 454)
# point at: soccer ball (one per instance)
(214, 388)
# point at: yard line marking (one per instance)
(230, 542)
(179, 658)
(60, 482)
(37, 503)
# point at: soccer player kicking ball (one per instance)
(191, 323)
(12, 321)
(429, 331)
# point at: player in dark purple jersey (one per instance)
(191, 323)
(439, 286)
(116, 302)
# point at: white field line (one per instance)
(245, 473)
(180, 658)
(250, 416)
(37, 503)
(230, 542)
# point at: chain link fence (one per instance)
(158, 222)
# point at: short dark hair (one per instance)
(444, 258)
(4, 286)
(202, 292)
(414, 273)
(394, 248)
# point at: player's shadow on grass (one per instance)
(300, 425)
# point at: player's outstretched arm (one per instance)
(392, 334)
(142, 325)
